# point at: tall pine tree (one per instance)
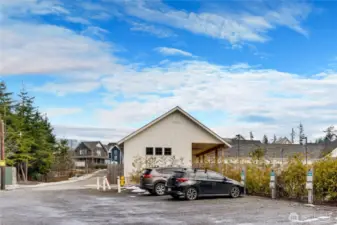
(300, 133)
(265, 139)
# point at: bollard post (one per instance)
(118, 184)
(97, 183)
(243, 179)
(273, 184)
(104, 184)
(107, 183)
(310, 185)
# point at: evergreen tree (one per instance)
(30, 142)
(265, 139)
(274, 139)
(330, 133)
(301, 133)
(292, 135)
(251, 135)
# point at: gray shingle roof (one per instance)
(276, 150)
(92, 144)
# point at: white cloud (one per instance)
(80, 20)
(173, 51)
(157, 31)
(62, 89)
(49, 49)
(59, 112)
(22, 8)
(105, 135)
(234, 27)
(239, 92)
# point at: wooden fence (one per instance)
(115, 170)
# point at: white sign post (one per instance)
(243, 179)
(310, 185)
(272, 184)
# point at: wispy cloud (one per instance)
(233, 27)
(62, 89)
(173, 51)
(79, 20)
(59, 112)
(154, 30)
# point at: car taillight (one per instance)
(181, 180)
(147, 176)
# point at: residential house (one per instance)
(175, 133)
(115, 154)
(90, 153)
(283, 141)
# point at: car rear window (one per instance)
(179, 174)
(147, 171)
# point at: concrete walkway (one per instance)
(84, 182)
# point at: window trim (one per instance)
(167, 148)
(158, 148)
(148, 148)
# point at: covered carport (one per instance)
(208, 153)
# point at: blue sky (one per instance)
(110, 66)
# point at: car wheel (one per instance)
(159, 189)
(191, 193)
(235, 192)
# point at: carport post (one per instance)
(310, 185)
(97, 183)
(272, 184)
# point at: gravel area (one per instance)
(71, 204)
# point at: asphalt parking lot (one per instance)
(89, 206)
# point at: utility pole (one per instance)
(238, 137)
(306, 150)
(2, 158)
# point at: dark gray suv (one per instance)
(154, 179)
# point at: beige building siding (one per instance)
(175, 131)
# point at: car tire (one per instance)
(235, 192)
(191, 194)
(159, 189)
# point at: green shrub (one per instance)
(325, 179)
(291, 182)
(258, 179)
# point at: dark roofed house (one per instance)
(115, 153)
(90, 153)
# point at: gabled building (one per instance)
(283, 141)
(175, 133)
(90, 153)
(115, 154)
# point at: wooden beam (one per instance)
(210, 150)
(216, 156)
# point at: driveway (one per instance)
(79, 206)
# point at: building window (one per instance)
(115, 157)
(83, 152)
(149, 151)
(167, 151)
(159, 151)
(99, 153)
